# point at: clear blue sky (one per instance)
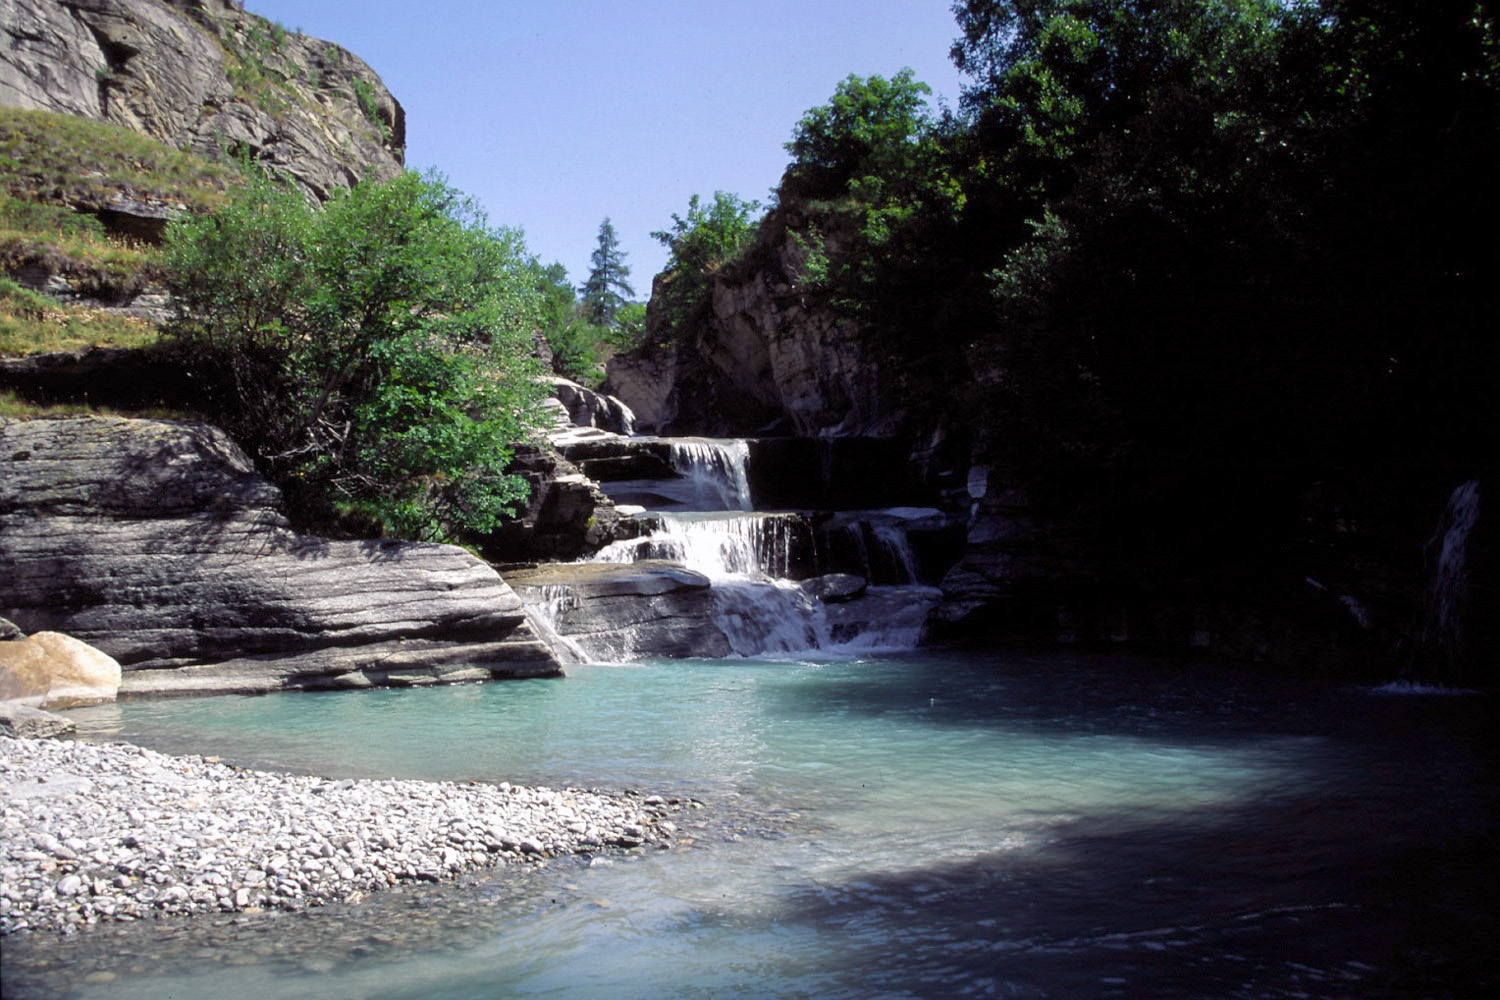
(557, 113)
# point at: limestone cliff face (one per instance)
(205, 76)
(159, 544)
(758, 358)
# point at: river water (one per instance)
(917, 825)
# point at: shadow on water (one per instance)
(1099, 695)
(1256, 904)
(956, 826)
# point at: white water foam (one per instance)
(717, 468)
(546, 618)
(718, 545)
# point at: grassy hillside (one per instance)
(56, 173)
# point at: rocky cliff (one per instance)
(208, 77)
(157, 543)
(758, 357)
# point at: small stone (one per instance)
(69, 885)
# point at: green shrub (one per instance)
(373, 355)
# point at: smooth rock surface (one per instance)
(832, 588)
(158, 543)
(53, 670)
(623, 611)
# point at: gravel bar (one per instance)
(109, 831)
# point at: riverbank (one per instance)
(108, 832)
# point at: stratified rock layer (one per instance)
(158, 543)
(621, 611)
(205, 76)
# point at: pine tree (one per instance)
(606, 289)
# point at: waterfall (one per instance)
(719, 470)
(1447, 593)
(719, 545)
(897, 551)
(762, 617)
(546, 617)
(702, 518)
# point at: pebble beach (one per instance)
(93, 833)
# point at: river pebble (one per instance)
(108, 832)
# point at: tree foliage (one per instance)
(371, 354)
(698, 244)
(606, 289)
(580, 347)
(1194, 253)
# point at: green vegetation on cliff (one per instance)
(57, 173)
(1172, 262)
(698, 244)
(64, 160)
(373, 355)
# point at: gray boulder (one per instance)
(834, 588)
(587, 408)
(157, 542)
(24, 721)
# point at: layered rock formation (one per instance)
(205, 76)
(159, 544)
(757, 359)
(621, 611)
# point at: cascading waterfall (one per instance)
(763, 617)
(1447, 592)
(749, 557)
(718, 469)
(896, 551)
(545, 616)
(719, 545)
(705, 521)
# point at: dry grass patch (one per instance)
(31, 323)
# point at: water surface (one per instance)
(925, 825)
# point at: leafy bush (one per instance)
(702, 242)
(374, 355)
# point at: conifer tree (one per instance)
(606, 289)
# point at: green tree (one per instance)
(872, 129)
(371, 354)
(606, 289)
(698, 244)
(870, 175)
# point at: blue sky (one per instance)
(557, 113)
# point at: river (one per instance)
(915, 825)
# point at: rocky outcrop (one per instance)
(587, 408)
(208, 77)
(757, 358)
(623, 611)
(158, 543)
(566, 514)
